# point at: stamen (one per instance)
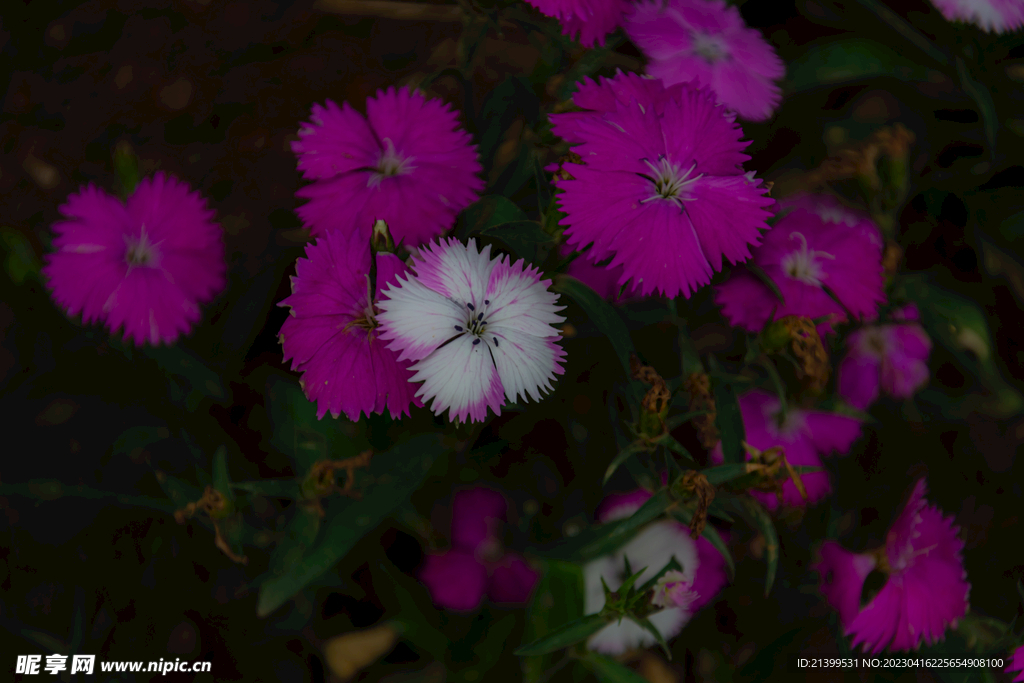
(471, 307)
(476, 341)
(459, 328)
(670, 182)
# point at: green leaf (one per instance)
(51, 490)
(754, 514)
(719, 474)
(607, 670)
(416, 616)
(645, 623)
(21, 262)
(397, 474)
(601, 313)
(221, 481)
(983, 98)
(271, 488)
(520, 237)
(202, 381)
(138, 437)
(487, 212)
(710, 533)
(299, 536)
(679, 449)
(557, 599)
(623, 455)
(296, 430)
(564, 636)
(605, 538)
(850, 59)
(729, 421)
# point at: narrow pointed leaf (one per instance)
(221, 480)
(646, 624)
(710, 533)
(557, 599)
(601, 313)
(396, 475)
(729, 421)
(754, 514)
(607, 670)
(623, 455)
(564, 636)
(271, 488)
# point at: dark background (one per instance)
(213, 92)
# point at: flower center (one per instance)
(670, 181)
(391, 163)
(709, 47)
(367, 320)
(873, 342)
(140, 251)
(476, 323)
(803, 264)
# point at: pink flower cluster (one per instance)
(476, 565)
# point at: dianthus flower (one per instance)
(598, 97)
(662, 191)
(144, 265)
(332, 332)
(478, 329)
(1017, 664)
(703, 575)
(999, 16)
(590, 20)
(707, 40)
(407, 162)
(891, 358)
(803, 436)
(475, 564)
(926, 590)
(817, 244)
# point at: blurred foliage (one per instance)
(269, 557)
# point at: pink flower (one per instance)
(144, 265)
(926, 590)
(662, 190)
(478, 329)
(707, 40)
(476, 564)
(702, 577)
(999, 16)
(803, 435)
(1017, 664)
(674, 589)
(407, 162)
(818, 243)
(591, 20)
(889, 358)
(332, 333)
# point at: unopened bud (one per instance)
(381, 240)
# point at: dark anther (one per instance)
(480, 316)
(476, 341)
(495, 342)
(487, 302)
(459, 328)
(471, 307)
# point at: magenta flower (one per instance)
(478, 329)
(590, 20)
(702, 577)
(332, 333)
(662, 191)
(891, 358)
(926, 590)
(1017, 664)
(407, 162)
(803, 435)
(707, 40)
(998, 16)
(476, 565)
(818, 243)
(606, 95)
(144, 265)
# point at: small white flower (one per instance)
(652, 548)
(479, 329)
